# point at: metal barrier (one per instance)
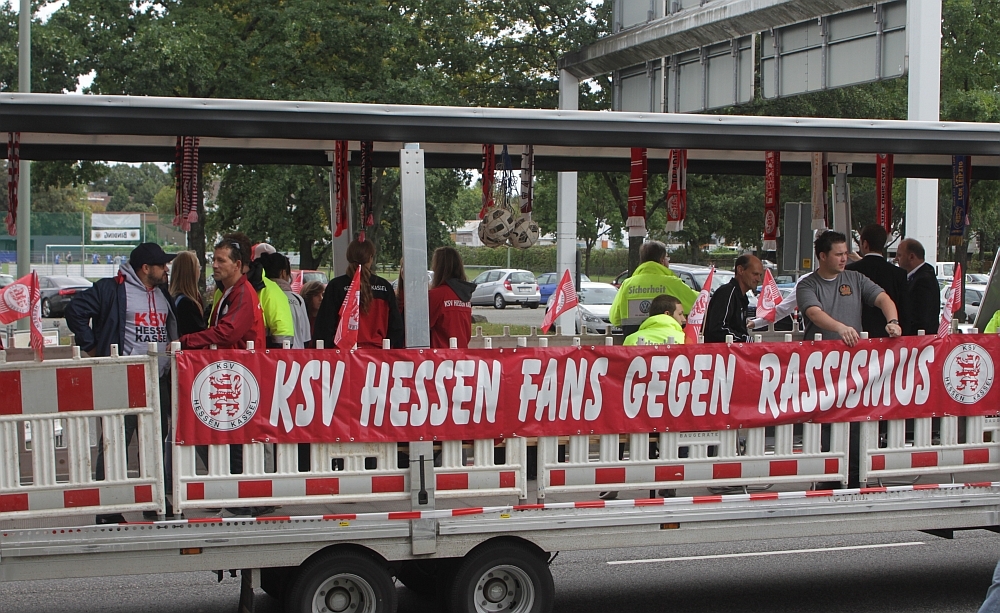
(694, 459)
(49, 414)
(915, 447)
(341, 472)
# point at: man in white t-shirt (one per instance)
(830, 300)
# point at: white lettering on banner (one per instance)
(677, 394)
(706, 395)
(555, 402)
(302, 376)
(781, 394)
(461, 393)
(373, 394)
(399, 393)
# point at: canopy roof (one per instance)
(127, 128)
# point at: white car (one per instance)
(505, 286)
(593, 314)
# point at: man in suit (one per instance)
(923, 296)
(890, 278)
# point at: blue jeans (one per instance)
(992, 602)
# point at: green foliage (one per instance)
(56, 53)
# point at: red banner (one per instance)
(638, 181)
(290, 396)
(677, 190)
(772, 195)
(883, 190)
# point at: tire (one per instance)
(507, 576)
(499, 302)
(342, 581)
(530, 305)
(46, 308)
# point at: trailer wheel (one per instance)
(343, 582)
(503, 576)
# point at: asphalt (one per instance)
(892, 572)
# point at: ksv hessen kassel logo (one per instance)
(225, 396)
(968, 373)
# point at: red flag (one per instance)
(21, 299)
(772, 193)
(350, 315)
(952, 302)
(770, 297)
(697, 315)
(563, 299)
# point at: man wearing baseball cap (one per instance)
(131, 310)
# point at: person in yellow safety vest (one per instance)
(650, 279)
(666, 316)
(991, 328)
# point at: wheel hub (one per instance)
(504, 588)
(344, 593)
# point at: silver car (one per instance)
(506, 286)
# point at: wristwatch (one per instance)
(892, 321)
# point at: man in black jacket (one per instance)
(727, 310)
(923, 296)
(892, 279)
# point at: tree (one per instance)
(119, 200)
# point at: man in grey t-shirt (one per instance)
(831, 299)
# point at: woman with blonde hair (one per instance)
(379, 316)
(185, 271)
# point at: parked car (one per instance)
(6, 280)
(58, 291)
(547, 284)
(430, 279)
(976, 277)
(301, 277)
(691, 274)
(593, 314)
(502, 286)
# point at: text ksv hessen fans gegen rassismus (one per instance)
(406, 395)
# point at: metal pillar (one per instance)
(24, 184)
(414, 212)
(842, 203)
(569, 100)
(923, 41)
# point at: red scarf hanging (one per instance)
(186, 173)
(342, 191)
(13, 177)
(527, 172)
(367, 202)
(489, 176)
(677, 192)
(883, 190)
(772, 193)
(637, 186)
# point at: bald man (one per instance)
(727, 310)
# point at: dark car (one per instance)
(547, 284)
(57, 291)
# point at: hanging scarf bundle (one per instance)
(637, 185)
(961, 195)
(677, 192)
(13, 178)
(497, 218)
(772, 192)
(367, 199)
(186, 173)
(883, 190)
(820, 187)
(342, 189)
(525, 232)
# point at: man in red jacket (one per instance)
(237, 317)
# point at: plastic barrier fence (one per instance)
(51, 414)
(927, 446)
(694, 459)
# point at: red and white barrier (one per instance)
(694, 459)
(929, 452)
(48, 431)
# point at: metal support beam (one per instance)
(24, 182)
(923, 41)
(414, 212)
(569, 99)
